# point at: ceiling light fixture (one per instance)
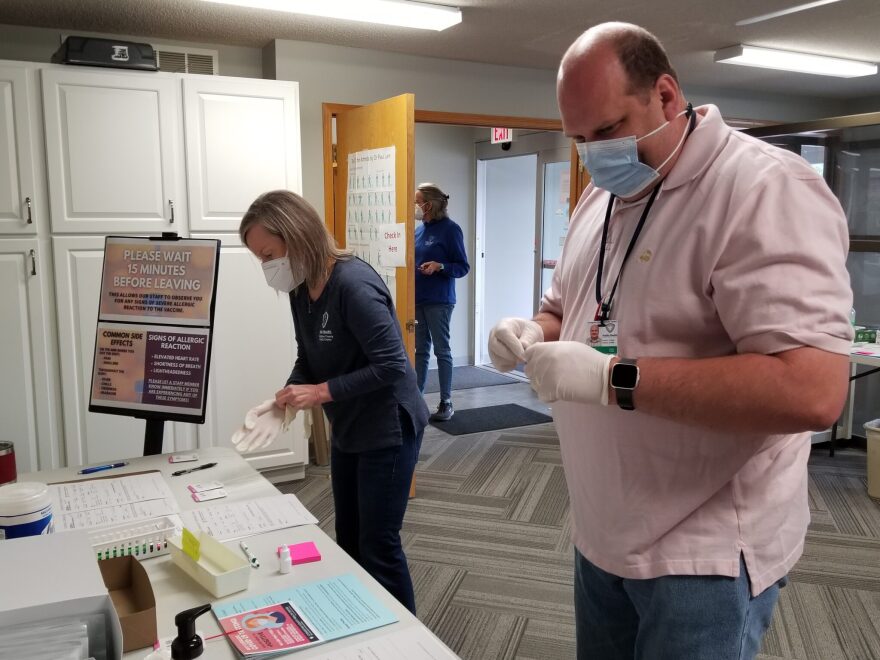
(784, 12)
(401, 13)
(769, 58)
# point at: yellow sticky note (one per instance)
(191, 544)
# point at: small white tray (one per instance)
(219, 570)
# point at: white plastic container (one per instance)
(872, 434)
(25, 510)
(219, 570)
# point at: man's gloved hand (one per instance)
(568, 371)
(262, 424)
(509, 340)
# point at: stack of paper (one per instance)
(110, 502)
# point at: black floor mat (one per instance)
(491, 418)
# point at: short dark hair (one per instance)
(643, 58)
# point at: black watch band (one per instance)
(624, 378)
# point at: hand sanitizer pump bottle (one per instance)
(187, 645)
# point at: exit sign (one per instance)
(502, 135)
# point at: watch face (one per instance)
(624, 376)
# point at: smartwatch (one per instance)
(442, 267)
(624, 378)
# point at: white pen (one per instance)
(250, 555)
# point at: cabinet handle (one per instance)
(30, 220)
(171, 204)
(33, 262)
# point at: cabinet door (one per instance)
(113, 149)
(242, 139)
(90, 437)
(27, 397)
(251, 357)
(18, 213)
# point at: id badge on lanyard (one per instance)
(602, 335)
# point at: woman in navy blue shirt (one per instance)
(440, 259)
(351, 360)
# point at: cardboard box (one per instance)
(56, 575)
(132, 596)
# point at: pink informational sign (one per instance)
(155, 324)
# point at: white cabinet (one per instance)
(27, 394)
(242, 139)
(91, 437)
(21, 202)
(251, 357)
(113, 144)
(115, 163)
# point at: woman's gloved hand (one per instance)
(262, 424)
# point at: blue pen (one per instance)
(99, 468)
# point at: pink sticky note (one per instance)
(302, 553)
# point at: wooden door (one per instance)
(580, 179)
(387, 123)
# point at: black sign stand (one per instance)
(154, 433)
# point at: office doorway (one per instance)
(522, 208)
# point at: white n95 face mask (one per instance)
(281, 276)
(420, 214)
(614, 165)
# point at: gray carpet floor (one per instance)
(487, 538)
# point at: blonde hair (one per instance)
(291, 218)
(436, 197)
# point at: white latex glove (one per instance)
(568, 371)
(262, 424)
(509, 340)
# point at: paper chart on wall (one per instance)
(370, 209)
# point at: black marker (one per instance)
(198, 467)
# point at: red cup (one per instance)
(7, 463)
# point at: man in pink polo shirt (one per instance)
(709, 268)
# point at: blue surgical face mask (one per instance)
(614, 165)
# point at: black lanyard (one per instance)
(604, 307)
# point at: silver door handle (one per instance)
(33, 262)
(171, 204)
(30, 220)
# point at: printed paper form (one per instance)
(115, 515)
(83, 495)
(237, 520)
(408, 644)
(104, 502)
(335, 607)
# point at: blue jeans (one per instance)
(433, 326)
(370, 493)
(676, 617)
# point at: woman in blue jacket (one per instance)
(440, 260)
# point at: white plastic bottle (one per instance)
(284, 559)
